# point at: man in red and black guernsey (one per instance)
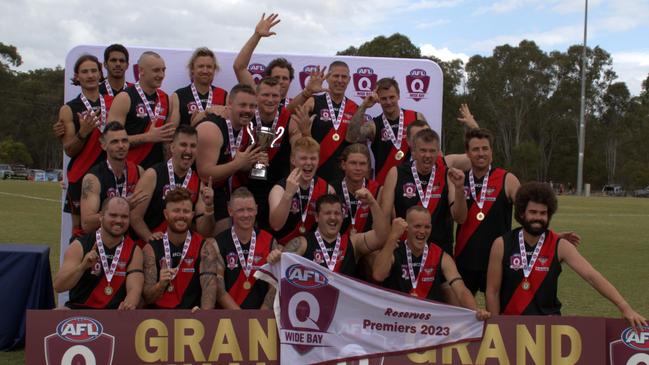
(116, 64)
(191, 103)
(115, 176)
(143, 109)
(355, 161)
(103, 270)
(147, 219)
(490, 192)
(427, 181)
(327, 247)
(242, 249)
(181, 269)
(332, 111)
(83, 119)
(387, 132)
(292, 200)
(418, 266)
(525, 264)
(224, 151)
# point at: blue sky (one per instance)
(44, 30)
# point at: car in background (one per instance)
(613, 190)
(54, 175)
(5, 171)
(642, 193)
(20, 172)
(37, 175)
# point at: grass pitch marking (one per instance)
(30, 197)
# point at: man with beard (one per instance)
(103, 270)
(292, 200)
(114, 177)
(147, 219)
(386, 131)
(245, 248)
(327, 247)
(524, 264)
(418, 266)
(428, 182)
(144, 109)
(192, 102)
(83, 119)
(116, 64)
(224, 153)
(182, 268)
(331, 113)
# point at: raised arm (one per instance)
(387, 196)
(279, 200)
(494, 276)
(357, 131)
(569, 254)
(205, 209)
(385, 258)
(366, 242)
(243, 58)
(456, 197)
(313, 86)
(75, 263)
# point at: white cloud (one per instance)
(632, 68)
(551, 38)
(432, 4)
(432, 24)
(443, 54)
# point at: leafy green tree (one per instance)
(396, 45)
(14, 152)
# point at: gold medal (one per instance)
(414, 294)
(525, 285)
(302, 229)
(108, 290)
(336, 137)
(480, 216)
(170, 288)
(399, 155)
(247, 285)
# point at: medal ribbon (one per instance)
(302, 211)
(260, 123)
(483, 190)
(411, 269)
(425, 198)
(102, 107)
(197, 99)
(109, 272)
(246, 263)
(329, 260)
(234, 146)
(396, 140)
(527, 269)
(124, 192)
(348, 201)
(167, 248)
(109, 89)
(335, 120)
(152, 116)
(172, 177)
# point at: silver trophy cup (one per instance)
(266, 138)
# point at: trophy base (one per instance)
(259, 174)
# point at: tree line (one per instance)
(529, 98)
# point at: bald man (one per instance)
(143, 109)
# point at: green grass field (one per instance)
(612, 233)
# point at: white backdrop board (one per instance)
(420, 81)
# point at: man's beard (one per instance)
(533, 230)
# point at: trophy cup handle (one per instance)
(250, 133)
(280, 133)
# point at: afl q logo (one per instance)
(417, 82)
(79, 339)
(305, 74)
(364, 81)
(257, 71)
(632, 348)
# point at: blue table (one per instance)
(25, 283)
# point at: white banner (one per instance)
(420, 81)
(324, 316)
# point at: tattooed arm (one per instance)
(222, 296)
(90, 202)
(208, 275)
(153, 290)
(270, 295)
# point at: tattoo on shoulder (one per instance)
(86, 188)
(150, 270)
(293, 245)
